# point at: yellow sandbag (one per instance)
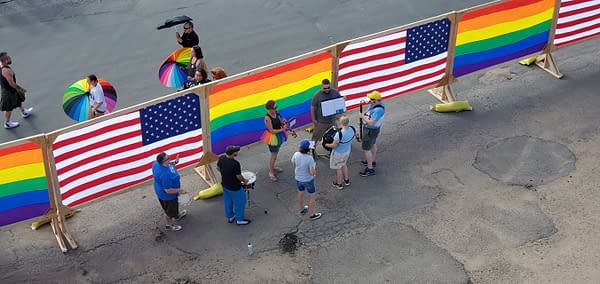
(212, 191)
(310, 129)
(529, 60)
(46, 219)
(452, 106)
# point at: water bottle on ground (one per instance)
(250, 249)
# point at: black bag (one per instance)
(329, 135)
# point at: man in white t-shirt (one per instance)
(97, 101)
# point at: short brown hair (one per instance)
(270, 104)
(218, 73)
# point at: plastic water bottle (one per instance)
(250, 249)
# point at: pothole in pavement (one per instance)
(525, 161)
(289, 243)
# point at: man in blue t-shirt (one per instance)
(167, 186)
(372, 119)
(341, 147)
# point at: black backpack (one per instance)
(329, 137)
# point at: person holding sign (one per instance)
(372, 119)
(321, 122)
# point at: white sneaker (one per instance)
(10, 124)
(26, 112)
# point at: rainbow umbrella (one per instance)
(76, 102)
(172, 72)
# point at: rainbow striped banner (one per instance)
(237, 108)
(23, 185)
(500, 33)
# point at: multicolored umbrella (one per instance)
(76, 101)
(172, 72)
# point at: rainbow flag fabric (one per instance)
(237, 107)
(23, 187)
(501, 32)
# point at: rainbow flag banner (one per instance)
(237, 108)
(23, 187)
(501, 32)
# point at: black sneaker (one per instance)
(338, 186)
(315, 216)
(364, 162)
(347, 182)
(243, 222)
(367, 172)
(304, 210)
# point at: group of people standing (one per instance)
(166, 179)
(197, 70)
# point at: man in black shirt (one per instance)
(234, 198)
(189, 37)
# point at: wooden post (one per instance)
(545, 60)
(204, 168)
(443, 91)
(335, 51)
(59, 222)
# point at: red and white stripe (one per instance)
(109, 156)
(578, 20)
(378, 64)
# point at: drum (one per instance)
(328, 137)
(251, 178)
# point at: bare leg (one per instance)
(374, 152)
(345, 172)
(169, 221)
(339, 176)
(300, 200)
(312, 203)
(7, 116)
(272, 163)
(369, 157)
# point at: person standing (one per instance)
(218, 73)
(189, 37)
(234, 198)
(322, 123)
(305, 171)
(341, 148)
(196, 63)
(274, 136)
(167, 186)
(13, 95)
(97, 101)
(372, 119)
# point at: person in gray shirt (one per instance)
(322, 123)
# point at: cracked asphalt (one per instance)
(505, 193)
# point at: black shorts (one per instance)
(171, 207)
(369, 138)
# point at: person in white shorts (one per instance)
(341, 148)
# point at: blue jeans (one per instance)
(307, 185)
(235, 203)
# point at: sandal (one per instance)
(272, 177)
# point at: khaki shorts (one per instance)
(338, 160)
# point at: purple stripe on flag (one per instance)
(23, 213)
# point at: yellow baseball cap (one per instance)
(374, 95)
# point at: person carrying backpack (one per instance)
(341, 148)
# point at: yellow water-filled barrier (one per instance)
(455, 106)
(210, 192)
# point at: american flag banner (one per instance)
(394, 64)
(578, 20)
(117, 153)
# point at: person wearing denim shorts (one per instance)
(304, 173)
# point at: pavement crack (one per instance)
(113, 242)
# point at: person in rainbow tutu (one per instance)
(274, 136)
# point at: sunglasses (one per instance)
(187, 28)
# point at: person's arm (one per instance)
(194, 40)
(178, 37)
(8, 75)
(241, 179)
(313, 109)
(333, 144)
(313, 169)
(269, 126)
